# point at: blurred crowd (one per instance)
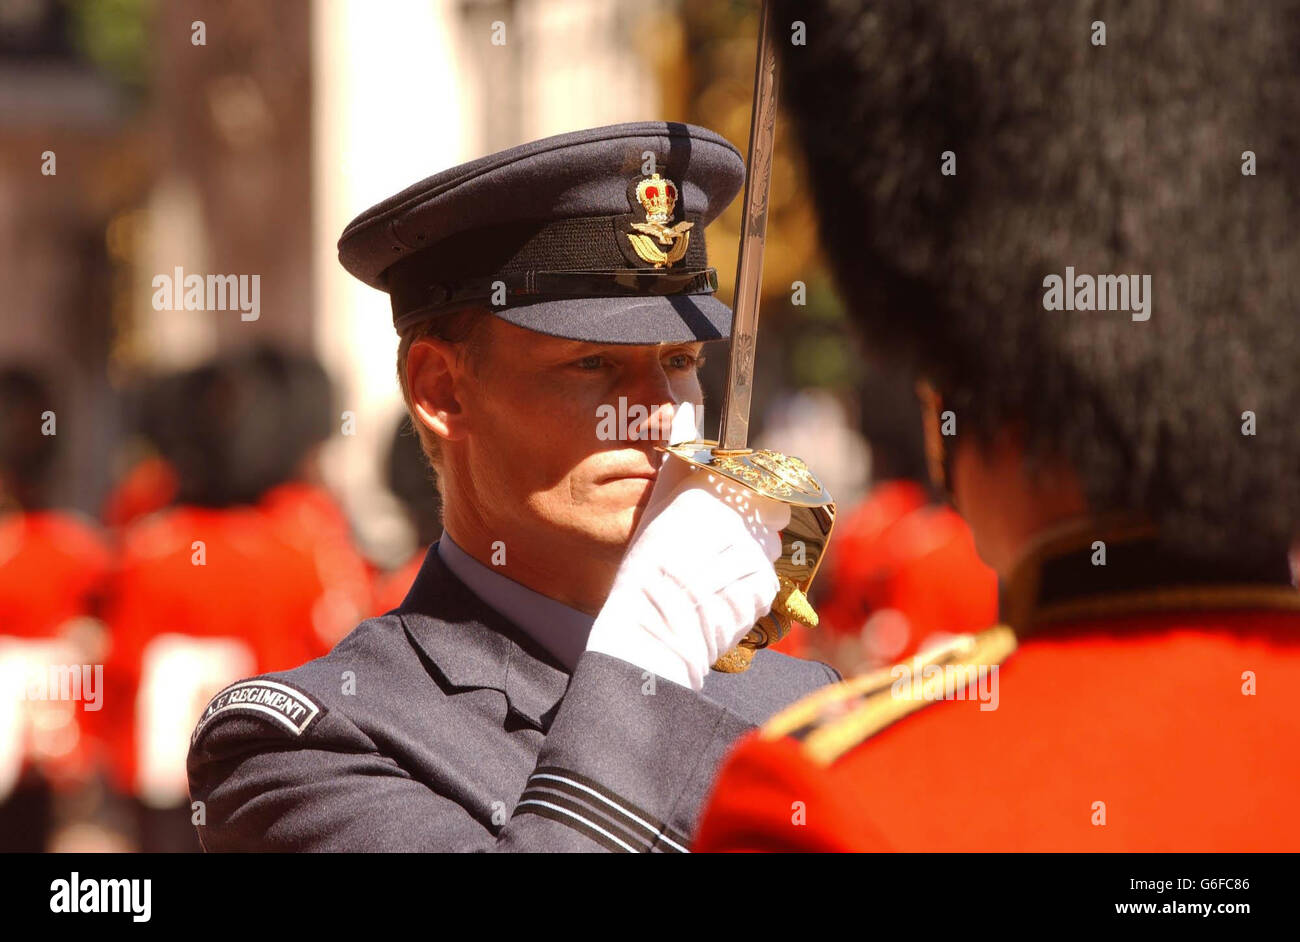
(221, 554)
(218, 555)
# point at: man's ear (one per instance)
(936, 451)
(435, 379)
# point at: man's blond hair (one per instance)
(468, 330)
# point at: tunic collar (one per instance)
(472, 644)
(557, 627)
(1095, 569)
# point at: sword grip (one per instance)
(786, 479)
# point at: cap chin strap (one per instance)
(414, 302)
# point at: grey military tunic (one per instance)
(442, 726)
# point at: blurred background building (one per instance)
(249, 153)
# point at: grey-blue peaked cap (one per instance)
(551, 228)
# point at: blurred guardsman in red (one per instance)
(146, 482)
(250, 570)
(902, 570)
(1087, 251)
(53, 565)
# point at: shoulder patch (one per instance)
(285, 706)
(831, 721)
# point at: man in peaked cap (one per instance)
(545, 685)
(1130, 474)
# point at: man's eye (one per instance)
(593, 362)
(685, 361)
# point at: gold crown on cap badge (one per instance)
(658, 196)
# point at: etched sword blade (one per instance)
(734, 431)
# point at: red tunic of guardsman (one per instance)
(1120, 438)
(1137, 706)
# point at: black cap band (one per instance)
(526, 262)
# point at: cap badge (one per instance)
(658, 197)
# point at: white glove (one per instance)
(697, 573)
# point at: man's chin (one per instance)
(612, 530)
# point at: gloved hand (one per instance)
(697, 573)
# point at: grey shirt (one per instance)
(562, 631)
(444, 726)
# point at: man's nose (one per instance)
(652, 389)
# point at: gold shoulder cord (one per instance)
(832, 721)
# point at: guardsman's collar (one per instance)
(472, 645)
(1107, 569)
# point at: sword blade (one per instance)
(734, 431)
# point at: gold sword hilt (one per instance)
(786, 479)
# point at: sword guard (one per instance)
(766, 473)
(786, 479)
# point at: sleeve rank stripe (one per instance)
(593, 815)
(580, 784)
(546, 809)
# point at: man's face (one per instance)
(540, 462)
(991, 487)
